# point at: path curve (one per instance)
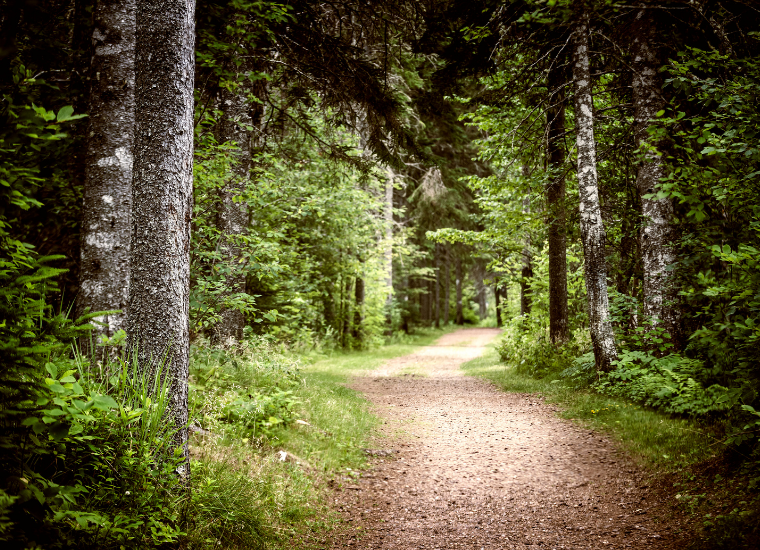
(473, 467)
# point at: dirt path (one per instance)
(473, 467)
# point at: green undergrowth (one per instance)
(270, 429)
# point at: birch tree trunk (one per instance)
(162, 199)
(232, 218)
(106, 210)
(656, 239)
(555, 202)
(592, 228)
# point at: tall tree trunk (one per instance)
(555, 202)
(424, 299)
(437, 285)
(447, 288)
(388, 253)
(656, 237)
(592, 228)
(232, 218)
(358, 330)
(162, 195)
(459, 314)
(478, 274)
(497, 300)
(106, 211)
(526, 274)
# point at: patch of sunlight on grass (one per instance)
(658, 440)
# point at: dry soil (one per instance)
(461, 464)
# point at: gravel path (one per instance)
(463, 465)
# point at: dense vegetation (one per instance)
(584, 173)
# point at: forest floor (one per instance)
(460, 464)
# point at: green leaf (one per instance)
(103, 402)
(52, 369)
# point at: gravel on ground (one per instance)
(460, 464)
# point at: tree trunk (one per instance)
(526, 274)
(106, 211)
(656, 237)
(158, 324)
(232, 218)
(389, 245)
(592, 228)
(357, 330)
(460, 314)
(497, 300)
(447, 289)
(555, 203)
(437, 285)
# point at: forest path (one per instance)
(474, 467)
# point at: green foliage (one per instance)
(526, 345)
(86, 460)
(243, 394)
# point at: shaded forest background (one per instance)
(584, 174)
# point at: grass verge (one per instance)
(271, 429)
(686, 457)
(659, 441)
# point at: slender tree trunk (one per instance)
(555, 202)
(158, 323)
(358, 332)
(106, 211)
(437, 285)
(656, 237)
(526, 274)
(527, 261)
(232, 217)
(424, 300)
(346, 310)
(592, 228)
(388, 253)
(479, 273)
(460, 314)
(497, 300)
(447, 289)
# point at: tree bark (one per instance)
(497, 300)
(357, 331)
(437, 285)
(106, 211)
(656, 237)
(158, 324)
(232, 218)
(459, 314)
(526, 274)
(388, 253)
(447, 289)
(592, 228)
(555, 202)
